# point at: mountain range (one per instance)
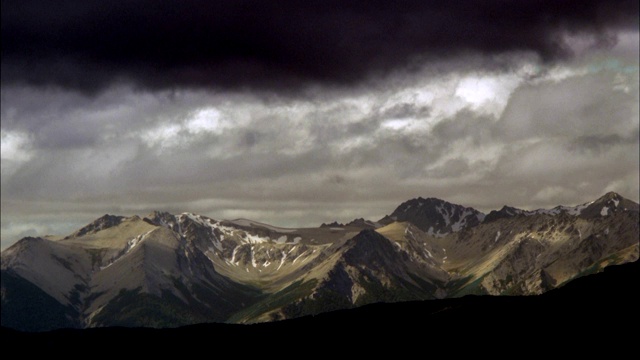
(167, 270)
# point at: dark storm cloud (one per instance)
(405, 110)
(88, 45)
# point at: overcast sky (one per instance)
(296, 113)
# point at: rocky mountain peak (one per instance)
(607, 205)
(610, 196)
(435, 216)
(505, 212)
(104, 222)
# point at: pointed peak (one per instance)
(610, 196)
(607, 205)
(435, 215)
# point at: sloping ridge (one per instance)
(55, 268)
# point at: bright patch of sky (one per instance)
(488, 94)
(205, 120)
(396, 124)
(181, 133)
(477, 91)
(16, 150)
(14, 146)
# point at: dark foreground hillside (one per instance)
(599, 310)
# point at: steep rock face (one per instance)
(435, 216)
(532, 254)
(370, 269)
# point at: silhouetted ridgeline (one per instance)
(600, 310)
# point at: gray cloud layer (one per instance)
(566, 137)
(539, 109)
